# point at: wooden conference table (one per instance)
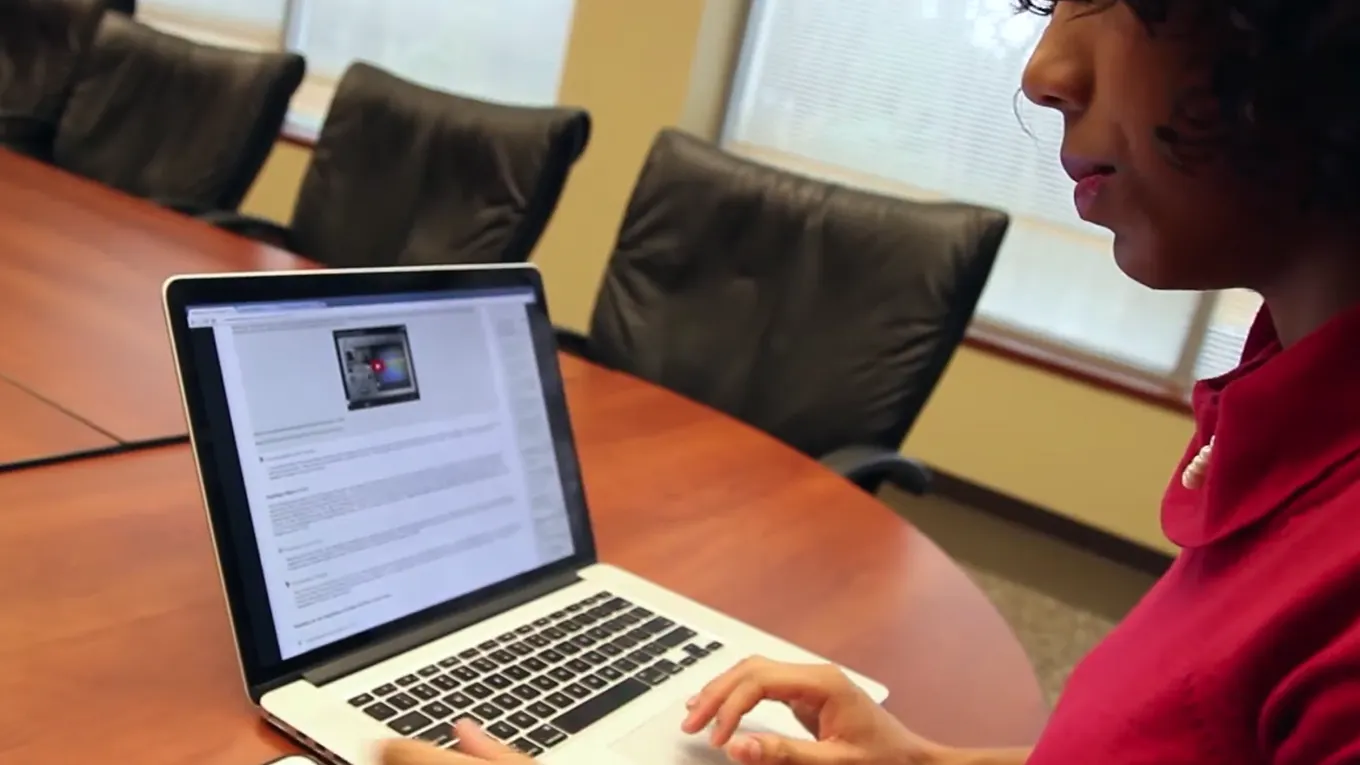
(113, 638)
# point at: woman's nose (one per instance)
(1058, 74)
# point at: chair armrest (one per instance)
(249, 226)
(869, 466)
(573, 342)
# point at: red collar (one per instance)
(1280, 422)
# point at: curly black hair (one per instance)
(1282, 97)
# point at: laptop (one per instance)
(400, 525)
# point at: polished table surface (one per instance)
(34, 429)
(116, 645)
(81, 268)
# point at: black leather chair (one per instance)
(823, 315)
(43, 44)
(128, 7)
(406, 175)
(161, 117)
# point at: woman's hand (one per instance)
(849, 727)
(474, 746)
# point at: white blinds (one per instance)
(921, 98)
(507, 50)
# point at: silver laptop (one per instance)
(397, 511)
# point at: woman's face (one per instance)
(1176, 226)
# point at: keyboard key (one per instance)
(516, 673)
(594, 657)
(503, 656)
(526, 629)
(438, 710)
(445, 683)
(380, 711)
(578, 665)
(470, 653)
(574, 607)
(542, 709)
(641, 657)
(527, 692)
(406, 680)
(507, 702)
(385, 689)
(551, 656)
(522, 719)
(537, 641)
(542, 622)
(459, 700)
(487, 711)
(527, 747)
(653, 676)
(586, 618)
(544, 683)
(409, 723)
(439, 735)
(593, 710)
(423, 692)
(568, 648)
(558, 614)
(609, 673)
(695, 651)
(624, 642)
(489, 645)
(676, 637)
(450, 662)
(508, 637)
(484, 664)
(658, 625)
(502, 730)
(640, 635)
(553, 633)
(655, 649)
(640, 613)
(534, 664)
(609, 649)
(499, 682)
(560, 700)
(361, 700)
(479, 691)
(625, 665)
(583, 641)
(617, 604)
(429, 671)
(715, 645)
(571, 625)
(547, 737)
(669, 667)
(465, 673)
(519, 649)
(689, 661)
(576, 690)
(562, 673)
(600, 613)
(599, 633)
(468, 716)
(401, 701)
(594, 682)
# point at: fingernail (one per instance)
(743, 749)
(691, 701)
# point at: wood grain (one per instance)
(81, 268)
(117, 649)
(33, 429)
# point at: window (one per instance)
(507, 50)
(921, 98)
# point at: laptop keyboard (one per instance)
(537, 685)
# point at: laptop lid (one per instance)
(379, 450)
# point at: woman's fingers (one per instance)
(404, 752)
(474, 741)
(735, 692)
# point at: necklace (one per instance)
(1193, 475)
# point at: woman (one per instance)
(1220, 141)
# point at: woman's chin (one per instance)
(1144, 263)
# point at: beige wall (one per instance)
(638, 66)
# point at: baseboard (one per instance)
(1102, 543)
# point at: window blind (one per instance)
(921, 98)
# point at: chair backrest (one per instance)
(162, 117)
(823, 315)
(43, 44)
(407, 175)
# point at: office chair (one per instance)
(161, 117)
(128, 7)
(407, 175)
(43, 44)
(822, 315)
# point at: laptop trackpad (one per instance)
(660, 740)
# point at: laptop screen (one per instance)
(395, 452)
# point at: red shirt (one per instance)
(1248, 649)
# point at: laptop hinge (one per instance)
(368, 656)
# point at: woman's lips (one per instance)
(1087, 193)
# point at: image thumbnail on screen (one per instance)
(376, 365)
